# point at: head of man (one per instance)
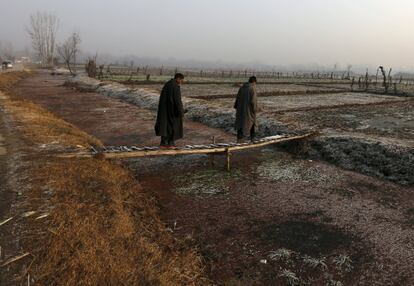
(253, 80)
(179, 78)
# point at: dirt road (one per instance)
(10, 189)
(6, 195)
(4, 191)
(114, 122)
(272, 216)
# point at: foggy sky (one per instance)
(271, 32)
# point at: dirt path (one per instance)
(5, 198)
(10, 188)
(114, 122)
(271, 201)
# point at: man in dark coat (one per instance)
(170, 114)
(246, 108)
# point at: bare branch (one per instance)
(42, 31)
(68, 51)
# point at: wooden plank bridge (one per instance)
(123, 152)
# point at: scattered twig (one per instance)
(6, 221)
(26, 272)
(11, 260)
(42, 216)
(28, 214)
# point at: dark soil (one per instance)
(14, 183)
(9, 191)
(6, 194)
(305, 237)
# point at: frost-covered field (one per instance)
(277, 103)
(202, 90)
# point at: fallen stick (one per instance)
(42, 216)
(11, 260)
(28, 214)
(28, 268)
(6, 221)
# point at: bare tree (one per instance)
(389, 76)
(386, 83)
(42, 31)
(366, 80)
(376, 76)
(68, 51)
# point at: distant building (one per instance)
(24, 60)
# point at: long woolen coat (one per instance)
(170, 112)
(246, 106)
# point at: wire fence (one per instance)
(398, 84)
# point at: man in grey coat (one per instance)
(169, 124)
(246, 109)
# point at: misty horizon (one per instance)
(278, 35)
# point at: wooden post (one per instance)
(228, 156)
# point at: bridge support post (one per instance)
(228, 157)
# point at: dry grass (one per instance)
(7, 80)
(106, 231)
(102, 228)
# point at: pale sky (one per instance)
(272, 32)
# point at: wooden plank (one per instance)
(275, 141)
(173, 152)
